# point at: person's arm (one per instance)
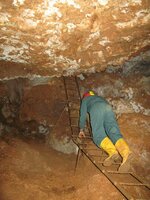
(82, 120)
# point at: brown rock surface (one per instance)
(70, 36)
(32, 171)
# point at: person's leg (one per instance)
(97, 123)
(113, 132)
(111, 125)
(100, 138)
(126, 154)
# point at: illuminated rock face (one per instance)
(63, 37)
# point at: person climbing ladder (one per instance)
(105, 130)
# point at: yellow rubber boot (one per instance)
(109, 147)
(125, 153)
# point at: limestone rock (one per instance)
(63, 37)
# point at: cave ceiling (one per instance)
(65, 37)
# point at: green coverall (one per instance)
(102, 118)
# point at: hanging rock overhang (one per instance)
(65, 37)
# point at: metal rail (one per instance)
(126, 183)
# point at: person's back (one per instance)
(89, 101)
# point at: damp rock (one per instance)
(43, 130)
(63, 144)
(81, 77)
(138, 65)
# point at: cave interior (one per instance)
(104, 44)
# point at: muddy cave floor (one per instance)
(31, 170)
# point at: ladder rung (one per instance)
(74, 120)
(74, 113)
(74, 125)
(115, 163)
(68, 86)
(135, 184)
(76, 106)
(99, 156)
(100, 162)
(85, 143)
(74, 96)
(70, 78)
(86, 137)
(91, 149)
(70, 92)
(138, 178)
(70, 81)
(71, 89)
(74, 110)
(74, 99)
(117, 172)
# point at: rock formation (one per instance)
(63, 37)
